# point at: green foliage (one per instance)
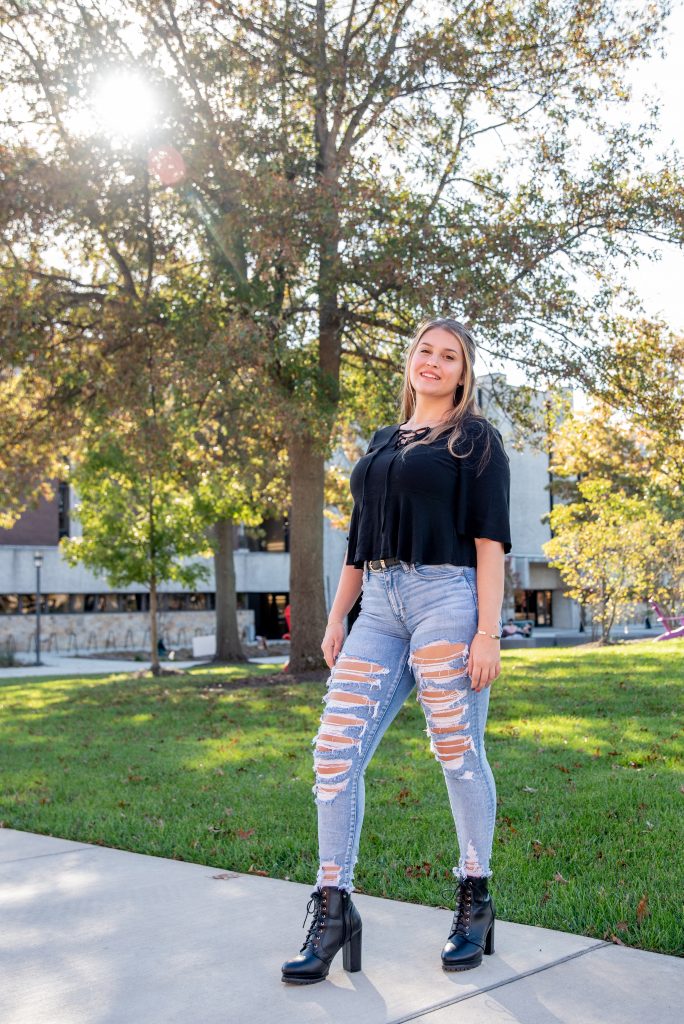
(139, 521)
(611, 550)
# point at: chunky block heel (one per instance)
(489, 941)
(351, 953)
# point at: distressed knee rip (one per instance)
(347, 715)
(438, 667)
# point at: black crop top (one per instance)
(426, 505)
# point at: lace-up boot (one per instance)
(472, 929)
(336, 925)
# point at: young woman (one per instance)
(426, 545)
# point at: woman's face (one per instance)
(438, 364)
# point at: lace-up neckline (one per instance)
(407, 434)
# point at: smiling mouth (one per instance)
(429, 376)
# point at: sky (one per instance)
(660, 285)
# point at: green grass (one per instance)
(585, 745)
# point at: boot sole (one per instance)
(302, 981)
(462, 967)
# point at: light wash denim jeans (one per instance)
(415, 626)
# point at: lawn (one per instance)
(585, 745)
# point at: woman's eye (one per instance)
(450, 358)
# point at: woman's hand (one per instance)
(484, 663)
(332, 642)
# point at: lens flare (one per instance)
(124, 104)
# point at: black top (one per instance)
(426, 505)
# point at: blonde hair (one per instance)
(465, 395)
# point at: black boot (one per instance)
(336, 925)
(472, 929)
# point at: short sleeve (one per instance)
(352, 535)
(485, 489)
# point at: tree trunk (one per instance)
(307, 596)
(228, 645)
(154, 636)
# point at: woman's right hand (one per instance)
(332, 642)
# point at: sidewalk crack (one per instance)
(497, 984)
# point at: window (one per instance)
(9, 604)
(271, 535)
(77, 604)
(63, 509)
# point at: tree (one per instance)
(611, 551)
(329, 159)
(139, 522)
(633, 431)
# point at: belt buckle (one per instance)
(382, 562)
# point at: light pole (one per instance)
(38, 561)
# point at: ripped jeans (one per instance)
(415, 626)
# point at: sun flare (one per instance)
(124, 104)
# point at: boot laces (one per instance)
(464, 904)
(317, 907)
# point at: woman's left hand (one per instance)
(484, 662)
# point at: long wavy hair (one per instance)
(464, 398)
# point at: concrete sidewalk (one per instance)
(91, 935)
(59, 665)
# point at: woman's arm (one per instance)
(348, 590)
(484, 664)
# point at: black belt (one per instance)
(382, 563)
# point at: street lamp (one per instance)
(38, 561)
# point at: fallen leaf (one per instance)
(562, 768)
(257, 871)
(245, 833)
(622, 926)
(529, 789)
(642, 910)
(226, 874)
(559, 878)
(419, 870)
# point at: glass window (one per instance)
(9, 604)
(77, 603)
(57, 603)
(63, 509)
